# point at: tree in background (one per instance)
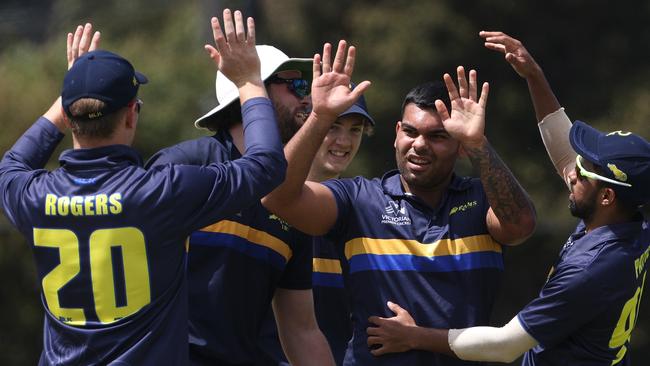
(594, 53)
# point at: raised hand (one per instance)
(330, 90)
(81, 42)
(234, 53)
(466, 122)
(515, 52)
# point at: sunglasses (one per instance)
(585, 173)
(299, 87)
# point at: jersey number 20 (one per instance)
(136, 272)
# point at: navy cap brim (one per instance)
(141, 78)
(355, 109)
(584, 140)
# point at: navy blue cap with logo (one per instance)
(101, 75)
(621, 156)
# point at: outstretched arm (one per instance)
(401, 334)
(35, 147)
(234, 185)
(302, 340)
(511, 217)
(295, 200)
(554, 124)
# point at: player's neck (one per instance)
(604, 217)
(91, 143)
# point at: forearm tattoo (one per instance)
(507, 198)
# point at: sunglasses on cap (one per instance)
(585, 173)
(299, 87)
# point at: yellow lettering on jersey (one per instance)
(76, 205)
(67, 244)
(89, 205)
(50, 205)
(100, 204)
(116, 205)
(63, 205)
(639, 263)
(101, 208)
(136, 272)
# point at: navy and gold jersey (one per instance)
(440, 264)
(330, 300)
(108, 238)
(234, 266)
(330, 306)
(587, 309)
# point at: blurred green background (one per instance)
(595, 54)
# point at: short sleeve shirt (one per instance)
(440, 263)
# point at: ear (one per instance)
(398, 126)
(131, 119)
(608, 196)
(66, 121)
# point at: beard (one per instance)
(584, 210)
(289, 122)
(424, 181)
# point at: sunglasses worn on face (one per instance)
(299, 87)
(585, 173)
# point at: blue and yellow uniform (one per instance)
(108, 237)
(440, 264)
(235, 265)
(330, 299)
(330, 305)
(571, 324)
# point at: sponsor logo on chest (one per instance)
(395, 214)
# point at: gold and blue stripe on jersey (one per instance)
(444, 255)
(326, 266)
(244, 239)
(327, 273)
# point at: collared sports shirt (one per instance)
(586, 311)
(440, 264)
(330, 299)
(235, 265)
(108, 237)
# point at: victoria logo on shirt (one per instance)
(396, 214)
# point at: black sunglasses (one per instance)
(299, 87)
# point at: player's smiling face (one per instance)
(291, 110)
(424, 151)
(340, 145)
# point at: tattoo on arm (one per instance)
(507, 198)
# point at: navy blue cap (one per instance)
(101, 75)
(622, 156)
(359, 107)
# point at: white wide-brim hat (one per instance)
(272, 60)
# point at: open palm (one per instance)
(330, 91)
(466, 122)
